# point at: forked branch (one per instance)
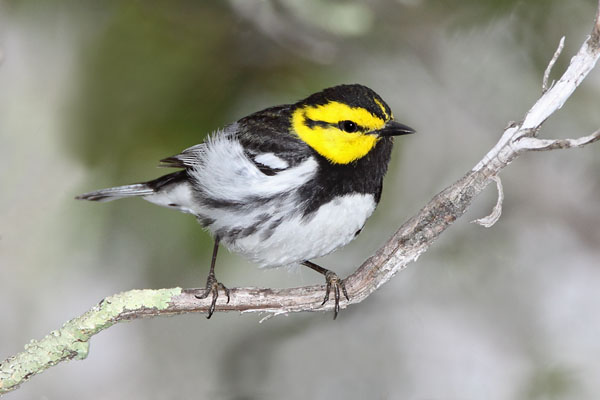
(406, 245)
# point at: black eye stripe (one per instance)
(311, 123)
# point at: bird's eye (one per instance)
(348, 126)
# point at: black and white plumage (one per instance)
(254, 213)
(261, 190)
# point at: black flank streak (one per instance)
(261, 220)
(267, 233)
(241, 232)
(247, 203)
(204, 220)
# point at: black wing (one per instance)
(266, 133)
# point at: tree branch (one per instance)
(406, 245)
(557, 53)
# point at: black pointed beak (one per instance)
(393, 128)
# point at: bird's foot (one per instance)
(334, 282)
(212, 287)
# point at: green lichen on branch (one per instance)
(72, 339)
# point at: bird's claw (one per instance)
(334, 282)
(212, 287)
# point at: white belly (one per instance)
(300, 238)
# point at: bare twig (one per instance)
(559, 50)
(406, 245)
(491, 219)
(535, 144)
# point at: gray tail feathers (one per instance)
(135, 190)
(119, 192)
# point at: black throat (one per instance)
(363, 176)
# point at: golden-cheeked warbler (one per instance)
(284, 185)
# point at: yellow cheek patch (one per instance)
(325, 137)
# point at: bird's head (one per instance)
(344, 123)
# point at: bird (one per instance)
(283, 185)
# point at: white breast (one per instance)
(300, 238)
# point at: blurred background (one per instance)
(93, 94)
